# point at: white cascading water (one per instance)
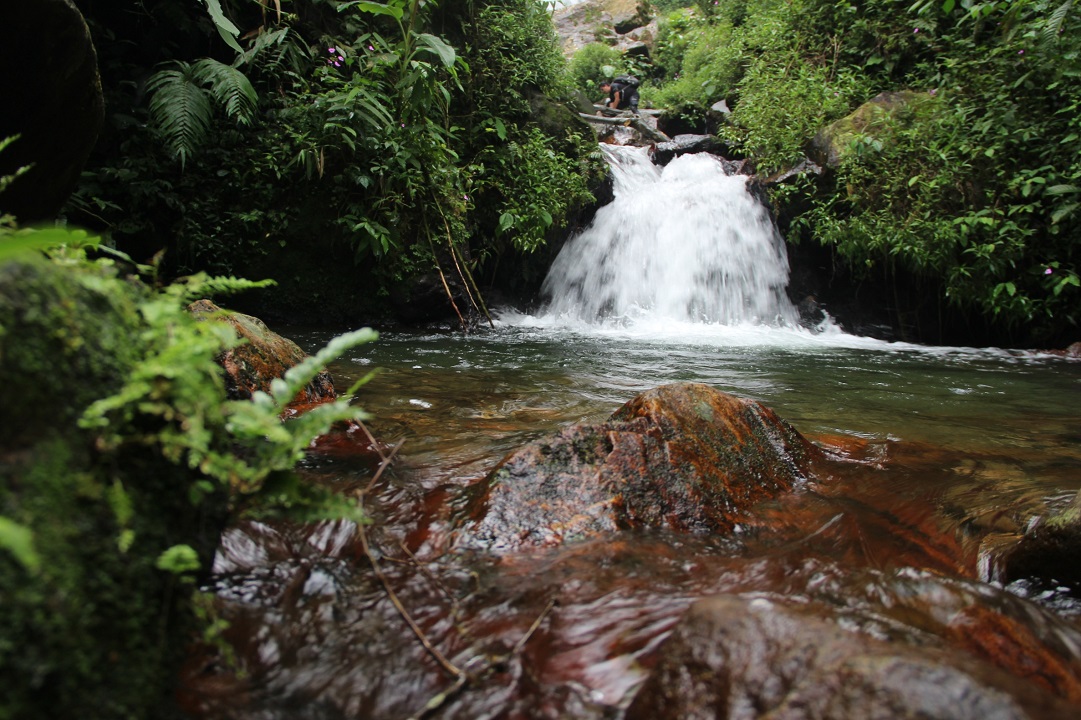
(683, 243)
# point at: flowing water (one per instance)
(955, 446)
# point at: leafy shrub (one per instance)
(593, 64)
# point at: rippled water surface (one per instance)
(458, 399)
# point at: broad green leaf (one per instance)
(393, 11)
(21, 243)
(438, 47)
(228, 31)
(19, 541)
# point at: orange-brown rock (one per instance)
(262, 357)
(683, 457)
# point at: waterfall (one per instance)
(683, 243)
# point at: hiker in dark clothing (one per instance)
(622, 93)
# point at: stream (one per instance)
(938, 455)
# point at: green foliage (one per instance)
(973, 197)
(710, 62)
(183, 101)
(130, 459)
(528, 183)
(593, 64)
(369, 123)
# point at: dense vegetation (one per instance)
(121, 459)
(965, 202)
(369, 142)
(414, 137)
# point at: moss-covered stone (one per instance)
(830, 146)
(92, 629)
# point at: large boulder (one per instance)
(262, 357)
(684, 457)
(830, 146)
(52, 100)
(742, 658)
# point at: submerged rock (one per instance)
(264, 356)
(683, 457)
(738, 657)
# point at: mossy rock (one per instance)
(832, 144)
(91, 628)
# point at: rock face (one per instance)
(737, 657)
(684, 457)
(46, 44)
(264, 356)
(628, 22)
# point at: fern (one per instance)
(276, 51)
(183, 100)
(1054, 24)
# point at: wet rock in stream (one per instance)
(684, 457)
(742, 658)
(692, 557)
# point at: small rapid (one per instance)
(686, 243)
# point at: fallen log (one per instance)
(628, 121)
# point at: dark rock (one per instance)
(263, 357)
(665, 152)
(1045, 554)
(737, 657)
(684, 457)
(804, 167)
(52, 99)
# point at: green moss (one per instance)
(93, 630)
(67, 339)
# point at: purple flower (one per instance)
(341, 59)
(1020, 52)
(337, 64)
(371, 47)
(332, 51)
(915, 30)
(1048, 271)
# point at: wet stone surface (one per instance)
(786, 578)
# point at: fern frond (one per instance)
(370, 107)
(275, 50)
(1054, 23)
(228, 86)
(180, 109)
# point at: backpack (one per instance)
(628, 80)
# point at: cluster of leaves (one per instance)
(972, 195)
(368, 125)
